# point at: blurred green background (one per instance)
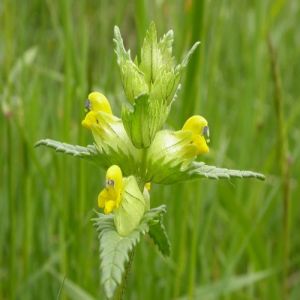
(231, 239)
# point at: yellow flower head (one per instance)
(199, 127)
(110, 197)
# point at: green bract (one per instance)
(169, 155)
(113, 143)
(131, 209)
(150, 85)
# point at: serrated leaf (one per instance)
(104, 158)
(115, 249)
(158, 234)
(199, 169)
(166, 169)
(88, 152)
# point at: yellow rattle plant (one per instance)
(136, 151)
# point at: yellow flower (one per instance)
(111, 139)
(173, 151)
(96, 103)
(110, 197)
(200, 133)
(123, 198)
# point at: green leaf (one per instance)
(200, 169)
(169, 170)
(88, 152)
(115, 249)
(160, 238)
(115, 154)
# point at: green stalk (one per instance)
(196, 215)
(65, 205)
(191, 85)
(283, 155)
(182, 234)
(12, 223)
(141, 19)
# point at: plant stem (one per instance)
(283, 155)
(121, 290)
(143, 170)
(141, 19)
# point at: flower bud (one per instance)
(172, 152)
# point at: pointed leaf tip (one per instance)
(188, 56)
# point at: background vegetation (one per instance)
(231, 240)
